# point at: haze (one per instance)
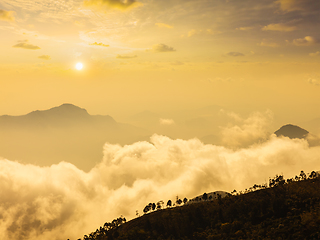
(174, 98)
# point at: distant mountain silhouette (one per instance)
(63, 133)
(65, 109)
(292, 131)
(65, 115)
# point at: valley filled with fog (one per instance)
(57, 198)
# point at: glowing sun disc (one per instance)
(79, 66)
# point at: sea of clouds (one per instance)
(62, 201)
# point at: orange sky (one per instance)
(232, 70)
(160, 55)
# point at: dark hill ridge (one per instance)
(292, 131)
(65, 109)
(64, 133)
(289, 210)
(65, 115)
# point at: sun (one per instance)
(79, 66)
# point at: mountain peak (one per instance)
(291, 131)
(69, 107)
(66, 109)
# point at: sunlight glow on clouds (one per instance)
(306, 41)
(99, 44)
(207, 39)
(164, 121)
(247, 131)
(279, 27)
(298, 5)
(61, 201)
(244, 28)
(113, 3)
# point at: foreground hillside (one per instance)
(287, 210)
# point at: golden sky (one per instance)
(160, 55)
(255, 62)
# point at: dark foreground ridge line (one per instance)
(286, 209)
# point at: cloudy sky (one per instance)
(255, 57)
(160, 55)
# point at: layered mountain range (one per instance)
(64, 133)
(69, 133)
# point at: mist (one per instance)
(170, 88)
(61, 201)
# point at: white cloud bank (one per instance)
(61, 201)
(246, 132)
(165, 121)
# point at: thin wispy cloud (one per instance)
(26, 45)
(126, 56)
(314, 54)
(45, 57)
(99, 44)
(166, 121)
(235, 54)
(279, 27)
(306, 41)
(161, 48)
(314, 81)
(46, 10)
(244, 28)
(163, 25)
(297, 5)
(118, 4)
(268, 44)
(194, 32)
(7, 15)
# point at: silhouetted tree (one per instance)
(147, 208)
(313, 175)
(185, 200)
(178, 201)
(162, 203)
(158, 205)
(303, 176)
(169, 203)
(205, 196)
(276, 181)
